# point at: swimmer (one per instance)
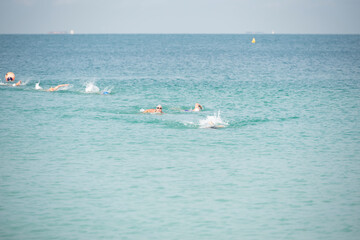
(52, 89)
(10, 77)
(214, 126)
(157, 110)
(197, 108)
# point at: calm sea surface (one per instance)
(79, 164)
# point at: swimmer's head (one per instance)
(10, 77)
(158, 109)
(198, 107)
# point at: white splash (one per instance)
(107, 90)
(37, 86)
(25, 82)
(213, 122)
(142, 110)
(91, 88)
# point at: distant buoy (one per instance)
(253, 41)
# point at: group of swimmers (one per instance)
(10, 77)
(158, 109)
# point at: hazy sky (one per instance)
(180, 16)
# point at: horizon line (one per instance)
(140, 33)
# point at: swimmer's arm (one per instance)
(59, 86)
(18, 83)
(62, 85)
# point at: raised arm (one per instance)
(59, 86)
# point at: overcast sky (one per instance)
(180, 16)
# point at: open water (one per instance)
(79, 164)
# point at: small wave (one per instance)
(91, 88)
(214, 121)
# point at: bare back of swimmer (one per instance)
(157, 110)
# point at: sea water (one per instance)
(80, 164)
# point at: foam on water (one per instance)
(91, 88)
(37, 86)
(214, 121)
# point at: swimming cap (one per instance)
(10, 76)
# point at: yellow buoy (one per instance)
(253, 41)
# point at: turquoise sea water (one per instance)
(76, 164)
